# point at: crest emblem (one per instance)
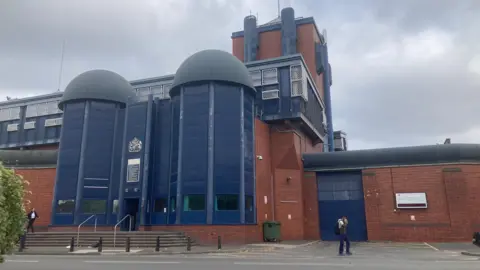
(135, 145)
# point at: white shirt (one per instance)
(32, 216)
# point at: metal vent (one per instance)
(269, 76)
(270, 94)
(53, 122)
(298, 80)
(256, 77)
(12, 127)
(29, 125)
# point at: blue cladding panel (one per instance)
(227, 152)
(137, 120)
(289, 32)
(40, 134)
(161, 159)
(195, 146)
(67, 169)
(341, 194)
(98, 152)
(175, 103)
(313, 111)
(249, 154)
(9, 137)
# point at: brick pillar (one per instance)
(457, 198)
(371, 192)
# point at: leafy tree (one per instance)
(12, 210)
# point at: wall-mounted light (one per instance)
(289, 178)
(259, 157)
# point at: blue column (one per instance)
(211, 141)
(180, 160)
(59, 157)
(112, 165)
(121, 191)
(146, 161)
(328, 100)
(242, 157)
(80, 178)
(254, 153)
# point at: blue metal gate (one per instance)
(341, 194)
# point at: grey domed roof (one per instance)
(97, 85)
(212, 65)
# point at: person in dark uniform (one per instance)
(32, 216)
(342, 225)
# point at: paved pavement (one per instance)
(384, 256)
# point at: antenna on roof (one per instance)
(60, 73)
(324, 34)
(278, 7)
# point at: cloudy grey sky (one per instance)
(405, 72)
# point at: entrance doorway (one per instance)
(132, 209)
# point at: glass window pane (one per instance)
(226, 203)
(160, 205)
(65, 206)
(94, 206)
(194, 202)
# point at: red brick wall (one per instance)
(307, 37)
(238, 48)
(41, 187)
(452, 193)
(263, 172)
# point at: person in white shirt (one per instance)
(32, 216)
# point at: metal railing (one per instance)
(116, 225)
(78, 229)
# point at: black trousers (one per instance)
(30, 225)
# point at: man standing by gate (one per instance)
(342, 228)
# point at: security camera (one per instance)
(259, 157)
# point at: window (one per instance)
(194, 203)
(115, 207)
(248, 203)
(12, 127)
(269, 76)
(65, 206)
(173, 204)
(270, 94)
(29, 125)
(143, 91)
(256, 77)
(94, 206)
(226, 202)
(166, 90)
(160, 205)
(10, 114)
(53, 122)
(298, 82)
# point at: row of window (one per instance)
(160, 91)
(41, 109)
(195, 202)
(31, 125)
(298, 81)
(264, 77)
(33, 110)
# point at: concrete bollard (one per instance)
(219, 242)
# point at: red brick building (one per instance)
(303, 187)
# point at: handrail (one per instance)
(78, 229)
(116, 225)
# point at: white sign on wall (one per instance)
(411, 200)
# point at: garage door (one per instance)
(339, 194)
